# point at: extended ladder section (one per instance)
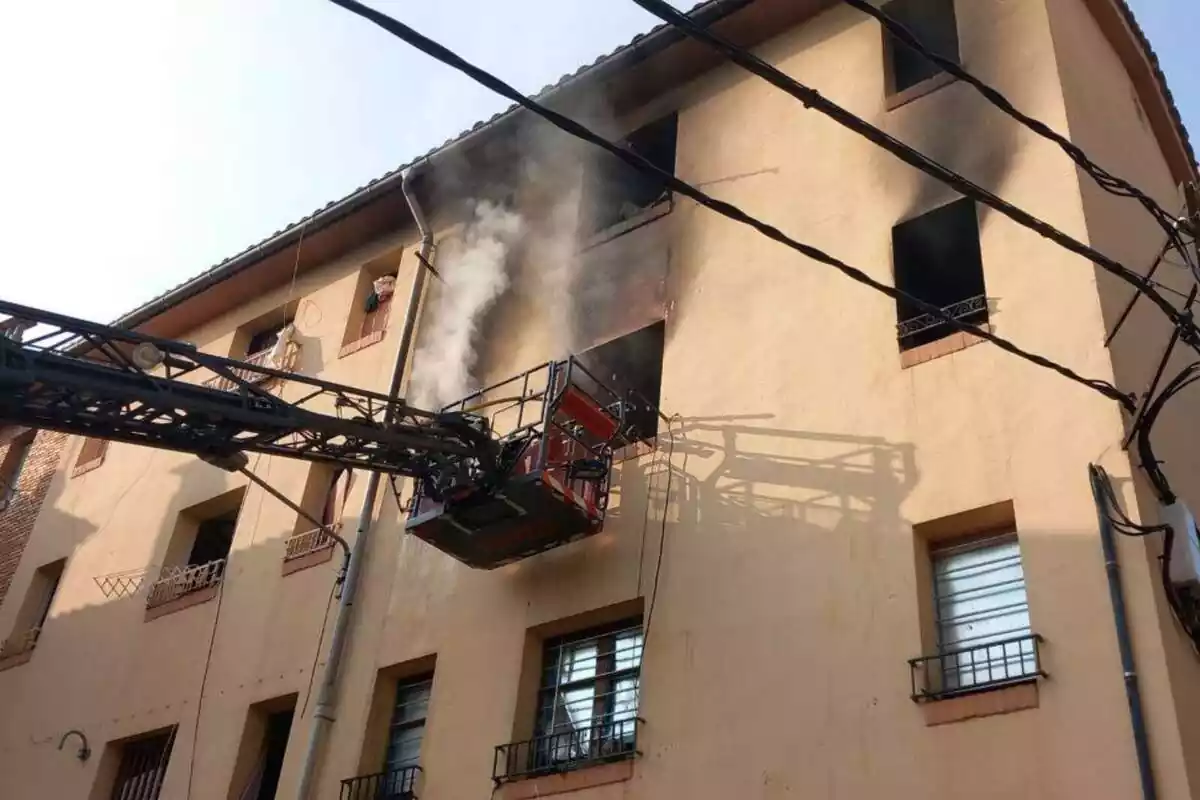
(556, 428)
(508, 472)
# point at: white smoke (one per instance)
(474, 274)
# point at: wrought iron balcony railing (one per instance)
(249, 374)
(303, 544)
(563, 751)
(396, 784)
(973, 310)
(175, 582)
(986, 666)
(19, 643)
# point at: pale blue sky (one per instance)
(145, 140)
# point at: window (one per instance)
(588, 696)
(11, 465)
(933, 23)
(270, 766)
(936, 258)
(213, 540)
(981, 620)
(631, 366)
(265, 339)
(263, 746)
(142, 767)
(618, 191)
(35, 609)
(408, 725)
(196, 554)
(91, 455)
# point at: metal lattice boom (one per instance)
(94, 380)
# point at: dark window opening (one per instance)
(142, 768)
(275, 743)
(213, 540)
(46, 581)
(265, 339)
(933, 23)
(619, 191)
(936, 258)
(331, 508)
(631, 366)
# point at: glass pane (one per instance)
(981, 604)
(404, 747)
(628, 651)
(578, 662)
(412, 702)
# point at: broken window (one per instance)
(631, 366)
(936, 258)
(618, 191)
(933, 23)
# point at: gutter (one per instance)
(1137, 717)
(325, 710)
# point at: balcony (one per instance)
(182, 587)
(984, 667)
(607, 742)
(308, 549)
(248, 373)
(926, 328)
(396, 784)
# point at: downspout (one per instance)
(324, 712)
(1137, 718)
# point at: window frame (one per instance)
(398, 726)
(895, 95)
(603, 713)
(908, 263)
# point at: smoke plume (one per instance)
(474, 274)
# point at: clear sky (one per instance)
(145, 140)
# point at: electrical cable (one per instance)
(1105, 179)
(811, 98)
(1126, 527)
(662, 537)
(721, 207)
(212, 641)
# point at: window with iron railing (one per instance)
(401, 767)
(984, 638)
(587, 704)
(937, 259)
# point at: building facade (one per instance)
(856, 555)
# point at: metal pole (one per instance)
(1137, 719)
(324, 712)
(281, 497)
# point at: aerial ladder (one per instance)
(513, 470)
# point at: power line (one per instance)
(811, 98)
(1105, 179)
(728, 210)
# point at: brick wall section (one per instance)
(17, 520)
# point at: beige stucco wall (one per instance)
(788, 600)
(1107, 120)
